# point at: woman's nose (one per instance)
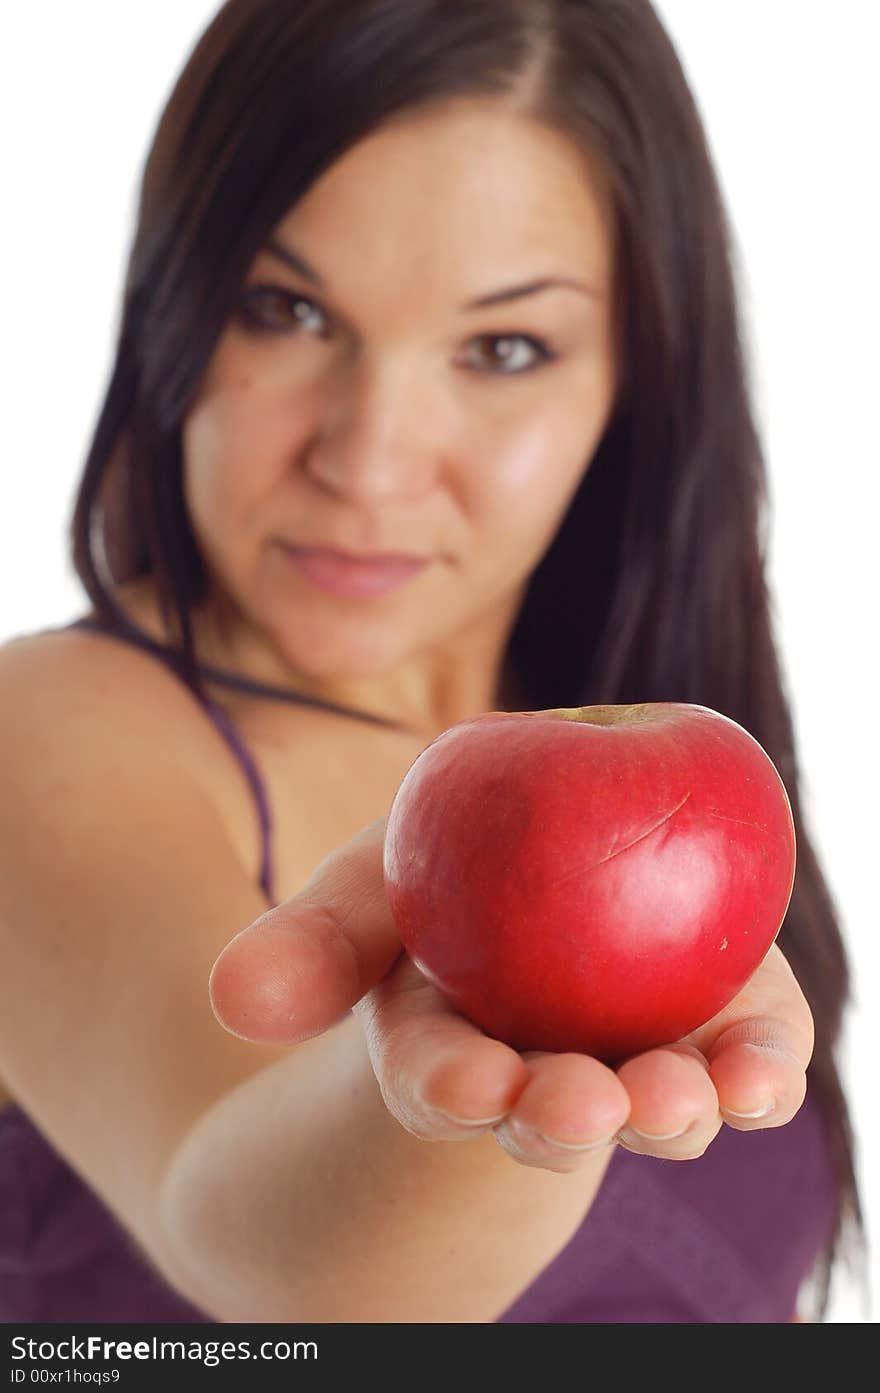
(373, 439)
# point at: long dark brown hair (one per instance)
(654, 587)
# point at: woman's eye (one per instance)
(516, 353)
(269, 307)
(272, 309)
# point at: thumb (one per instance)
(302, 965)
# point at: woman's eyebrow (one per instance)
(515, 292)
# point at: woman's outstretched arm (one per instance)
(384, 1204)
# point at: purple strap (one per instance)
(258, 788)
(229, 732)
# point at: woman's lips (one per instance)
(340, 575)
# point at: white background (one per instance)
(784, 87)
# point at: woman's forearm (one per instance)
(298, 1197)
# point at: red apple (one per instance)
(600, 879)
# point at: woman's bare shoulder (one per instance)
(71, 674)
(324, 776)
(81, 682)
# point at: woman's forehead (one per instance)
(471, 181)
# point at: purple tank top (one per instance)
(729, 1237)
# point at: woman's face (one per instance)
(361, 399)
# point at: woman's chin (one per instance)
(324, 657)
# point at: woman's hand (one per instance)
(302, 966)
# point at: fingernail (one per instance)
(522, 1136)
(632, 1136)
(577, 1146)
(474, 1121)
(749, 1116)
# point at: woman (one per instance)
(450, 282)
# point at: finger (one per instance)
(759, 1046)
(302, 965)
(440, 1076)
(759, 1080)
(570, 1109)
(674, 1106)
